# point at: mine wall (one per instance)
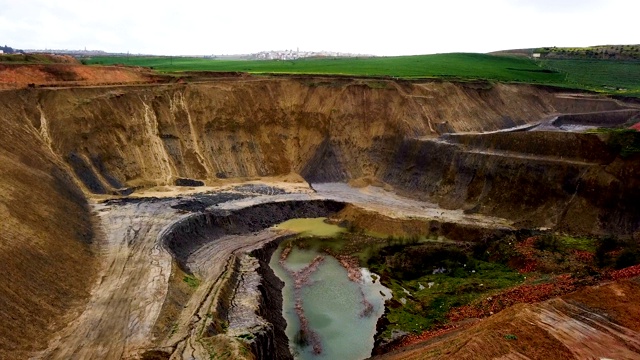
(276, 344)
(195, 231)
(325, 129)
(587, 188)
(608, 118)
(46, 236)
(128, 137)
(118, 139)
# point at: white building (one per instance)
(1, 52)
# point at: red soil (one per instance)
(23, 75)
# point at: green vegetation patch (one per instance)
(450, 66)
(608, 76)
(428, 299)
(588, 73)
(563, 243)
(625, 142)
(628, 52)
(613, 76)
(191, 280)
(428, 280)
(578, 243)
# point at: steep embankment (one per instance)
(575, 182)
(45, 233)
(325, 129)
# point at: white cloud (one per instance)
(376, 27)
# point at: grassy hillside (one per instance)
(616, 76)
(602, 52)
(36, 59)
(610, 76)
(462, 66)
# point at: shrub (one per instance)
(605, 245)
(548, 242)
(191, 280)
(626, 142)
(628, 257)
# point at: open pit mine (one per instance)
(139, 220)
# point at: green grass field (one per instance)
(463, 66)
(615, 76)
(608, 76)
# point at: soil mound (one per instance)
(70, 74)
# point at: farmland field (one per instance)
(614, 75)
(458, 65)
(610, 76)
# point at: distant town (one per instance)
(263, 55)
(288, 55)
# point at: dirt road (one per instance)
(131, 287)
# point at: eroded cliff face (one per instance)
(568, 181)
(45, 235)
(324, 129)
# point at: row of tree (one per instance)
(9, 50)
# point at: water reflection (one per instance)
(331, 313)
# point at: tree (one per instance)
(7, 50)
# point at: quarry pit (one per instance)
(138, 220)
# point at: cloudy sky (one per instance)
(391, 27)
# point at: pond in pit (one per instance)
(331, 313)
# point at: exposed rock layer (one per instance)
(570, 181)
(331, 129)
(271, 294)
(193, 232)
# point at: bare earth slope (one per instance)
(324, 129)
(335, 129)
(69, 74)
(45, 232)
(593, 323)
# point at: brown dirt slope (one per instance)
(45, 258)
(36, 58)
(65, 74)
(593, 323)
